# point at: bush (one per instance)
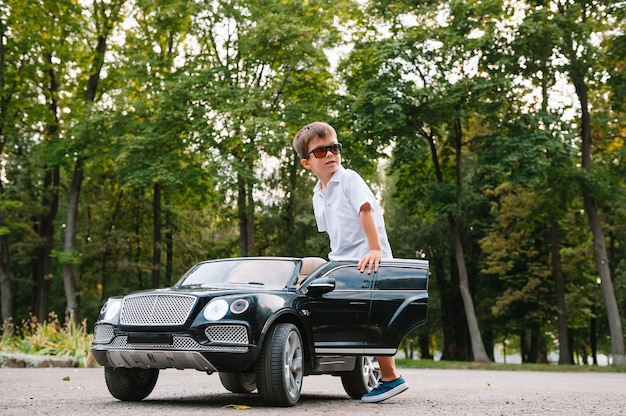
(48, 338)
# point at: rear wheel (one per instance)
(363, 378)
(130, 384)
(279, 369)
(238, 382)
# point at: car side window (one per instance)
(350, 278)
(401, 278)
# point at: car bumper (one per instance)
(182, 351)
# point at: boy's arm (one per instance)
(372, 258)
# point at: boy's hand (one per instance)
(370, 260)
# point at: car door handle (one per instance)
(358, 303)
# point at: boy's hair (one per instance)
(317, 129)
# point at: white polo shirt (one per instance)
(337, 213)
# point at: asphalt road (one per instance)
(82, 391)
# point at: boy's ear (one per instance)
(305, 163)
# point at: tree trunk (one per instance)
(424, 346)
(169, 245)
(290, 217)
(455, 337)
(42, 267)
(6, 296)
(565, 356)
(72, 311)
(250, 222)
(537, 348)
(5, 282)
(137, 249)
(40, 285)
(243, 219)
(478, 348)
(606, 284)
(105, 254)
(593, 332)
(72, 307)
(245, 208)
(41, 263)
(602, 263)
(103, 273)
(156, 236)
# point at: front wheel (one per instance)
(363, 378)
(130, 384)
(238, 382)
(280, 369)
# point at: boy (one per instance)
(347, 210)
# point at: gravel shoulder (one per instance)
(82, 391)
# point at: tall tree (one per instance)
(106, 16)
(578, 20)
(431, 81)
(8, 62)
(250, 54)
(32, 46)
(535, 134)
(156, 106)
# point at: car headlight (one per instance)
(216, 310)
(111, 308)
(239, 306)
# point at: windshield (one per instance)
(261, 273)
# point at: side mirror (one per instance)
(320, 286)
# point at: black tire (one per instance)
(238, 382)
(280, 366)
(363, 378)
(130, 384)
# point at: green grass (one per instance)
(464, 365)
(48, 338)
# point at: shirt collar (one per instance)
(333, 179)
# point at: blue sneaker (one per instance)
(385, 390)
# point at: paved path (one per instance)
(72, 391)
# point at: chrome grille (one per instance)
(234, 334)
(156, 309)
(102, 334)
(180, 343)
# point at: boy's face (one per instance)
(325, 166)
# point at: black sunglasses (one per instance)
(320, 152)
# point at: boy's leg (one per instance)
(391, 383)
(388, 370)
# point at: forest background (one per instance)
(138, 137)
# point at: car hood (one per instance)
(203, 292)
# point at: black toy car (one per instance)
(263, 323)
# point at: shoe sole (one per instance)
(384, 396)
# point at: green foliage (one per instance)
(49, 338)
(203, 98)
(65, 257)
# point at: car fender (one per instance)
(289, 315)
